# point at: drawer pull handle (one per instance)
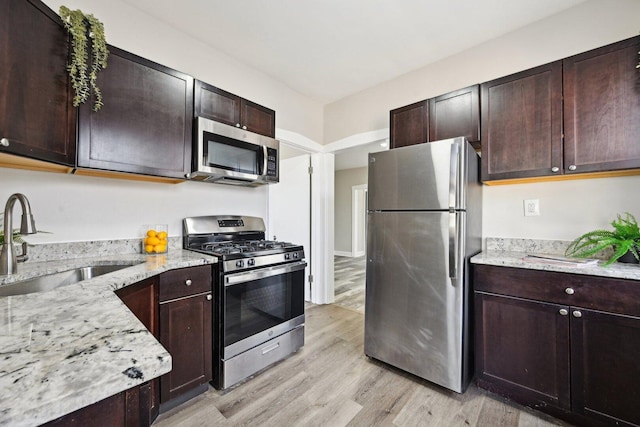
(569, 291)
(555, 169)
(209, 297)
(270, 348)
(188, 282)
(4, 142)
(564, 311)
(577, 314)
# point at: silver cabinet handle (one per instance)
(209, 297)
(237, 125)
(564, 311)
(244, 127)
(188, 282)
(572, 167)
(555, 169)
(577, 313)
(4, 142)
(569, 291)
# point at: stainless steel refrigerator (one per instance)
(424, 222)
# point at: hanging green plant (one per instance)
(83, 27)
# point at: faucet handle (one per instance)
(23, 257)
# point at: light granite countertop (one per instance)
(511, 253)
(68, 348)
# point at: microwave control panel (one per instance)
(272, 162)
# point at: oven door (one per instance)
(261, 304)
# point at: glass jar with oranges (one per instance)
(155, 239)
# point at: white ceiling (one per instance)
(328, 49)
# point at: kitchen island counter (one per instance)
(68, 348)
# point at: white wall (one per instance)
(79, 208)
(567, 208)
(84, 208)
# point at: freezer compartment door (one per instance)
(428, 176)
(414, 309)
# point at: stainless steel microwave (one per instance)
(229, 155)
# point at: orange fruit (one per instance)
(148, 248)
(152, 241)
(162, 235)
(152, 233)
(159, 248)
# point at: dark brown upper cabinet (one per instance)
(455, 114)
(522, 124)
(145, 126)
(593, 98)
(37, 118)
(602, 109)
(222, 106)
(409, 125)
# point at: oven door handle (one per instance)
(234, 279)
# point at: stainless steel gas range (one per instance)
(258, 315)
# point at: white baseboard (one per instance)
(342, 253)
(357, 254)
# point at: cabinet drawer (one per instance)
(597, 293)
(184, 282)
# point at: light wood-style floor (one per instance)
(349, 282)
(330, 382)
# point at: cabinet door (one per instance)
(36, 112)
(145, 125)
(522, 124)
(605, 365)
(185, 331)
(455, 114)
(258, 119)
(602, 109)
(409, 125)
(142, 299)
(522, 349)
(127, 408)
(216, 104)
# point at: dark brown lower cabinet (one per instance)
(127, 409)
(565, 344)
(524, 349)
(185, 326)
(185, 330)
(142, 299)
(605, 363)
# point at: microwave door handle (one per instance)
(265, 155)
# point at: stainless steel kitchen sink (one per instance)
(56, 280)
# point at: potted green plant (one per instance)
(624, 240)
(84, 56)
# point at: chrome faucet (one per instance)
(8, 258)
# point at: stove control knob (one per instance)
(287, 256)
(295, 255)
(240, 264)
(251, 262)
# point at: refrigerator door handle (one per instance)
(453, 244)
(453, 175)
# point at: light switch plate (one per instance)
(532, 207)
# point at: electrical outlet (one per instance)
(532, 207)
